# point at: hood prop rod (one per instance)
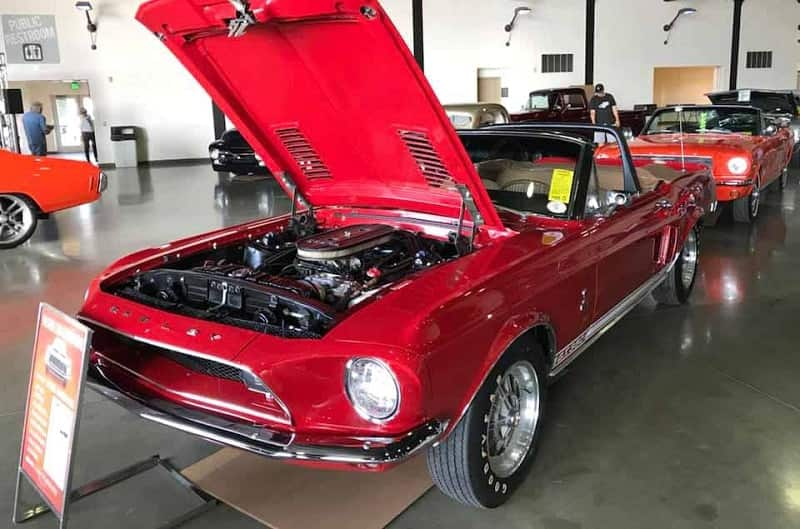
(465, 245)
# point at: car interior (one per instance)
(518, 174)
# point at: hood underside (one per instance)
(328, 95)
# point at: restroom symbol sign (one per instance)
(32, 52)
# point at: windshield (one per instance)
(768, 102)
(705, 120)
(527, 174)
(540, 101)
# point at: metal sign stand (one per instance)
(22, 515)
(71, 370)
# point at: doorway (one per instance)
(61, 101)
(684, 85)
(67, 121)
(490, 85)
(489, 90)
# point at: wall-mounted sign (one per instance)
(75, 85)
(31, 39)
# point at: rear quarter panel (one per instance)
(53, 184)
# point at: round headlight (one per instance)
(214, 154)
(372, 388)
(738, 166)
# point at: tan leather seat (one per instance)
(612, 178)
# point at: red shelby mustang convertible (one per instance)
(427, 287)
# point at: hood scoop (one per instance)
(306, 158)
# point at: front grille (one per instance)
(110, 344)
(201, 365)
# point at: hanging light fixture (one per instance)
(91, 26)
(668, 27)
(510, 26)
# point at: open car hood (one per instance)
(329, 96)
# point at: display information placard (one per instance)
(60, 355)
(31, 39)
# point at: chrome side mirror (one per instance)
(614, 200)
(771, 130)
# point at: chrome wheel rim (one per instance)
(16, 218)
(755, 199)
(689, 260)
(513, 417)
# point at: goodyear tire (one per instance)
(489, 453)
(678, 286)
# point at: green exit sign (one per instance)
(75, 85)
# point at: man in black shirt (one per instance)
(603, 108)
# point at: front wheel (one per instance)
(488, 454)
(17, 220)
(745, 209)
(678, 286)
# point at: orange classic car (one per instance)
(746, 149)
(32, 187)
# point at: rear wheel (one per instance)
(745, 209)
(488, 454)
(678, 286)
(17, 220)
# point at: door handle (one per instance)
(663, 204)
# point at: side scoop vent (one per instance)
(303, 153)
(428, 161)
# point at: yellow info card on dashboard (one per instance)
(561, 185)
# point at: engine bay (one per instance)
(294, 283)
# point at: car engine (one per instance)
(290, 283)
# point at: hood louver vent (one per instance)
(428, 161)
(303, 153)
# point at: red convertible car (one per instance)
(427, 287)
(746, 150)
(32, 187)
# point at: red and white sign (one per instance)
(54, 394)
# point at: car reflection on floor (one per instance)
(737, 257)
(241, 200)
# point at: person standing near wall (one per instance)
(87, 134)
(36, 129)
(603, 110)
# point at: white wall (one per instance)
(630, 43)
(461, 40)
(133, 79)
(771, 25)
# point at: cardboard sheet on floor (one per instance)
(283, 496)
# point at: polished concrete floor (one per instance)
(677, 418)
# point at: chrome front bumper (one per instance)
(371, 452)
